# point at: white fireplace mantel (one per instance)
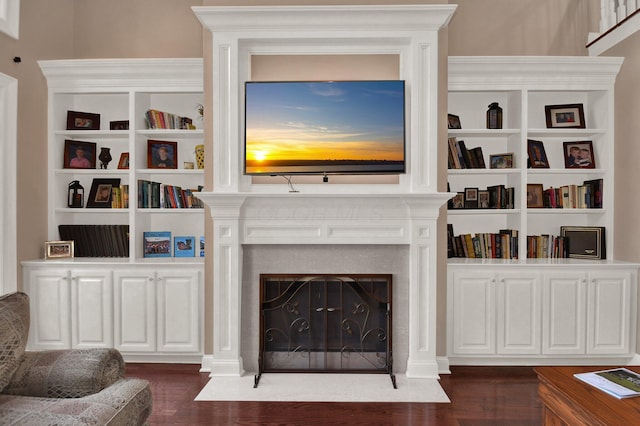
(244, 213)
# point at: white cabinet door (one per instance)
(518, 310)
(48, 291)
(564, 313)
(609, 312)
(179, 301)
(91, 312)
(134, 310)
(472, 321)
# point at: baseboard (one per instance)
(443, 365)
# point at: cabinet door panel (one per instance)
(49, 306)
(563, 320)
(609, 309)
(473, 319)
(519, 313)
(135, 313)
(178, 312)
(91, 312)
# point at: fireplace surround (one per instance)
(246, 215)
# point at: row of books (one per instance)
(585, 196)
(97, 240)
(493, 197)
(164, 120)
(462, 158)
(547, 246)
(158, 195)
(503, 245)
(120, 197)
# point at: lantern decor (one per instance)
(104, 157)
(75, 197)
(494, 116)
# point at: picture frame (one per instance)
(58, 249)
(162, 154)
(537, 155)
(471, 198)
(119, 125)
(457, 202)
(501, 161)
(453, 121)
(579, 155)
(77, 120)
(569, 116)
(484, 199)
(535, 196)
(79, 154)
(100, 194)
(156, 244)
(585, 242)
(184, 246)
(124, 161)
(202, 246)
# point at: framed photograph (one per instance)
(79, 155)
(202, 246)
(58, 249)
(471, 198)
(82, 121)
(534, 196)
(501, 161)
(537, 155)
(458, 201)
(124, 161)
(453, 122)
(585, 242)
(156, 244)
(483, 199)
(119, 125)
(100, 195)
(184, 246)
(579, 155)
(162, 154)
(565, 116)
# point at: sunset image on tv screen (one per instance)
(315, 127)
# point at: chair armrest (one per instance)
(70, 373)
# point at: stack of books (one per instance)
(163, 120)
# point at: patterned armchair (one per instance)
(66, 387)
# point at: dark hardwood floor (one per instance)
(480, 396)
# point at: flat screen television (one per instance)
(318, 127)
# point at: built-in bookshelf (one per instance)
(136, 101)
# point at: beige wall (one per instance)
(64, 29)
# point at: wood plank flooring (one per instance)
(481, 396)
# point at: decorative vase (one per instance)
(104, 157)
(200, 156)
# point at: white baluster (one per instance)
(621, 11)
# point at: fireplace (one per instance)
(325, 323)
(320, 217)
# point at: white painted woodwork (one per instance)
(10, 17)
(518, 313)
(91, 309)
(618, 21)
(49, 306)
(135, 310)
(246, 213)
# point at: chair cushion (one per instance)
(14, 329)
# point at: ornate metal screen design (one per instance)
(325, 323)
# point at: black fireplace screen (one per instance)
(325, 323)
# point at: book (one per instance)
(618, 382)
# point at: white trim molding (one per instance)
(8, 181)
(10, 17)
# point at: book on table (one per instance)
(618, 382)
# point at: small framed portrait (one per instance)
(162, 154)
(534, 196)
(119, 125)
(184, 246)
(82, 121)
(471, 198)
(483, 199)
(585, 242)
(565, 116)
(58, 249)
(79, 155)
(537, 155)
(101, 190)
(124, 161)
(579, 155)
(453, 122)
(458, 201)
(501, 161)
